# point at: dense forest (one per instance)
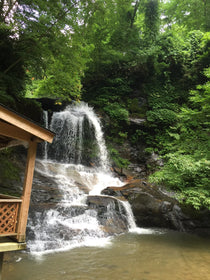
(142, 59)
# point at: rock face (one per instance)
(46, 195)
(154, 208)
(110, 213)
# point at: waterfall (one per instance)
(129, 214)
(71, 177)
(46, 124)
(79, 137)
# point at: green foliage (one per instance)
(196, 197)
(123, 135)
(187, 165)
(162, 117)
(116, 112)
(12, 74)
(134, 105)
(115, 39)
(136, 136)
(163, 96)
(190, 13)
(116, 53)
(61, 86)
(136, 109)
(150, 150)
(8, 169)
(188, 176)
(48, 40)
(117, 159)
(183, 171)
(198, 114)
(152, 20)
(105, 92)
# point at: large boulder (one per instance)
(153, 207)
(111, 213)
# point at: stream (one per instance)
(151, 255)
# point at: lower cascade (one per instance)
(67, 209)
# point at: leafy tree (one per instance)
(107, 81)
(152, 20)
(187, 164)
(51, 46)
(193, 14)
(12, 72)
(118, 52)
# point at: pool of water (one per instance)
(159, 255)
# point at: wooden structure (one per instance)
(18, 130)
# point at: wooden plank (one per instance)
(14, 132)
(6, 200)
(7, 244)
(25, 124)
(1, 263)
(9, 196)
(7, 234)
(23, 215)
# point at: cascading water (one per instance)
(78, 168)
(79, 137)
(45, 119)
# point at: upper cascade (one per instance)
(79, 137)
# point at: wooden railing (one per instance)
(9, 210)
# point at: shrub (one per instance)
(117, 112)
(162, 117)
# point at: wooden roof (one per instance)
(15, 126)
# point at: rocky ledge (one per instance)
(153, 207)
(110, 213)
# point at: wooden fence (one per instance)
(9, 214)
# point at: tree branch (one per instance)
(11, 5)
(134, 12)
(12, 65)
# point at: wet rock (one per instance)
(153, 161)
(72, 210)
(153, 207)
(82, 187)
(137, 121)
(37, 216)
(110, 213)
(44, 190)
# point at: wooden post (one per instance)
(26, 195)
(1, 264)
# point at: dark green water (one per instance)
(163, 256)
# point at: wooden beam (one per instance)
(26, 195)
(10, 200)
(1, 263)
(7, 244)
(11, 131)
(5, 196)
(24, 124)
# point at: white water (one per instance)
(59, 228)
(70, 223)
(46, 123)
(79, 137)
